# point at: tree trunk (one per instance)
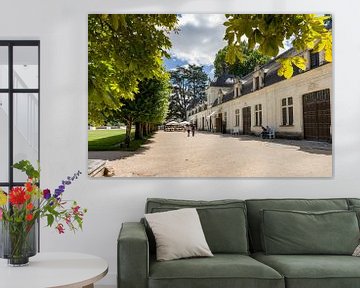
(147, 129)
(128, 133)
(139, 131)
(144, 129)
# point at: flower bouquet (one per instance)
(21, 208)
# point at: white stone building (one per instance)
(299, 107)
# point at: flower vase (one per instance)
(18, 242)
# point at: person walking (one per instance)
(193, 130)
(188, 128)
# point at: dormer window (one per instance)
(237, 91)
(220, 95)
(314, 59)
(257, 83)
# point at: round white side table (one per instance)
(50, 270)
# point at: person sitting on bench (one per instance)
(265, 132)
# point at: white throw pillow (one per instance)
(178, 234)
(357, 251)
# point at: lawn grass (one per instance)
(109, 140)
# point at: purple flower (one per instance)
(46, 194)
(68, 181)
(57, 193)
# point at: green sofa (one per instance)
(246, 251)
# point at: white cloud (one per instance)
(199, 39)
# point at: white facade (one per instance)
(270, 98)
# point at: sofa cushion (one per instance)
(222, 270)
(356, 209)
(255, 206)
(353, 201)
(178, 234)
(223, 221)
(297, 232)
(314, 271)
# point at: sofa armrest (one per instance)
(133, 256)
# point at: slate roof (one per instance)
(216, 102)
(271, 77)
(225, 80)
(228, 96)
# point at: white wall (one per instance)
(62, 28)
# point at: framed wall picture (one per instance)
(210, 95)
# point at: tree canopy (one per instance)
(268, 32)
(149, 106)
(189, 85)
(124, 49)
(250, 59)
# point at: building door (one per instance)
(219, 123)
(246, 112)
(317, 115)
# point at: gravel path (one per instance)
(173, 154)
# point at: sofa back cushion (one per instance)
(354, 205)
(223, 222)
(298, 232)
(353, 201)
(255, 206)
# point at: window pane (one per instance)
(290, 101)
(284, 116)
(314, 59)
(291, 116)
(283, 102)
(26, 131)
(4, 137)
(26, 67)
(260, 116)
(4, 67)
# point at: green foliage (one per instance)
(268, 31)
(26, 167)
(150, 103)
(189, 85)
(123, 50)
(250, 58)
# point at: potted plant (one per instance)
(21, 208)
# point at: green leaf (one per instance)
(26, 167)
(286, 68)
(230, 56)
(50, 219)
(299, 62)
(114, 21)
(259, 38)
(328, 50)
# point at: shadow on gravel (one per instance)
(313, 147)
(117, 155)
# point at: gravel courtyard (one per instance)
(173, 154)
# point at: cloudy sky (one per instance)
(199, 39)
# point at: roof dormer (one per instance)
(237, 87)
